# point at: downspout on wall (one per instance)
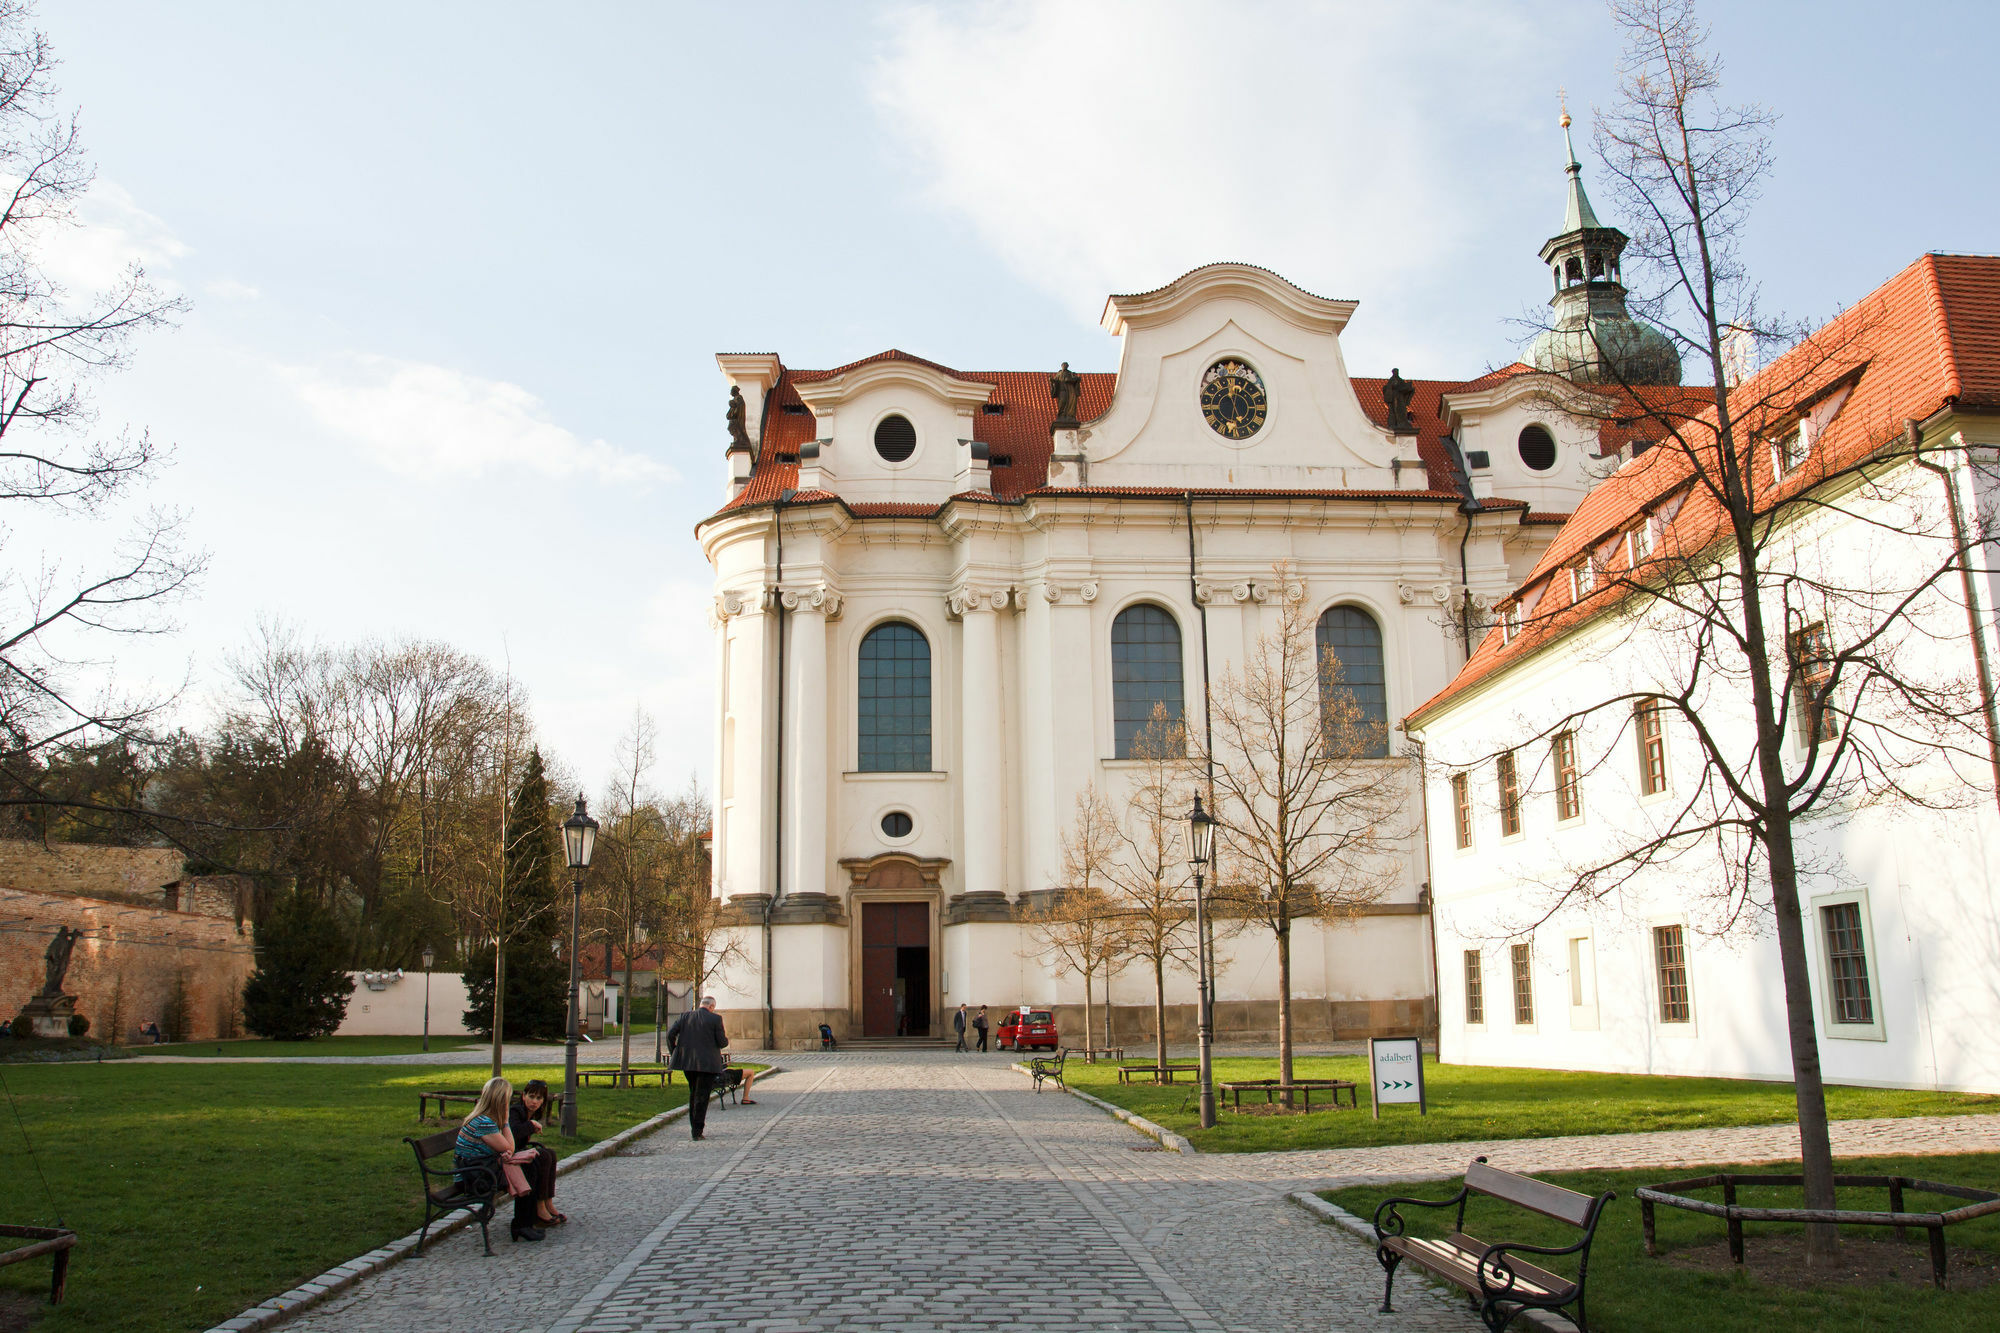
(1914, 433)
(1469, 506)
(778, 768)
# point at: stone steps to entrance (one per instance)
(896, 1043)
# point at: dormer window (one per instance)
(1510, 622)
(895, 439)
(1582, 578)
(1790, 449)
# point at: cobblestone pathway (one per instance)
(926, 1192)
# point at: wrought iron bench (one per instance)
(447, 1190)
(1049, 1069)
(1502, 1285)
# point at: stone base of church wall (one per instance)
(1255, 1021)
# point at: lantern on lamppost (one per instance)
(579, 840)
(428, 958)
(1201, 854)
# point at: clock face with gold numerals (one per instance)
(1232, 398)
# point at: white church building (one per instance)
(1562, 747)
(942, 611)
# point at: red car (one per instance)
(1028, 1027)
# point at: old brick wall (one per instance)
(132, 958)
(90, 872)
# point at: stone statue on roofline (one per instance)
(1066, 387)
(1397, 393)
(739, 432)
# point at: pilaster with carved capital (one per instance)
(967, 597)
(820, 597)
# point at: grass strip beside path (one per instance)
(199, 1190)
(341, 1046)
(1634, 1294)
(1472, 1102)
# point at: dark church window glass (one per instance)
(895, 700)
(1145, 672)
(897, 824)
(1350, 637)
(895, 439)
(1538, 448)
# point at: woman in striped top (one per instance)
(485, 1141)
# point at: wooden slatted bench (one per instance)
(1154, 1073)
(1305, 1087)
(1501, 1284)
(447, 1191)
(628, 1077)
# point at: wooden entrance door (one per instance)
(885, 928)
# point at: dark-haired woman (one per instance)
(527, 1119)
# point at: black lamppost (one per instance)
(579, 840)
(428, 958)
(1201, 851)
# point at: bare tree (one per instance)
(55, 607)
(633, 858)
(1313, 813)
(1776, 592)
(1079, 925)
(1148, 866)
(694, 943)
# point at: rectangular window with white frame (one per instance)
(1475, 990)
(1569, 786)
(1582, 983)
(1650, 731)
(1853, 1005)
(1812, 678)
(1461, 809)
(1509, 774)
(1790, 450)
(1670, 972)
(1524, 986)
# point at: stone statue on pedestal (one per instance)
(739, 431)
(1066, 387)
(48, 1012)
(1397, 393)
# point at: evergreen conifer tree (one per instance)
(534, 924)
(300, 988)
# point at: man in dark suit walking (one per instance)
(697, 1040)
(958, 1026)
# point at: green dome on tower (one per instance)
(1594, 339)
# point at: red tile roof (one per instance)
(1925, 341)
(1018, 442)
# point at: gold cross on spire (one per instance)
(1562, 100)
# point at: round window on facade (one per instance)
(897, 824)
(1538, 448)
(895, 439)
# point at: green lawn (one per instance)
(198, 1190)
(1631, 1293)
(323, 1046)
(1468, 1102)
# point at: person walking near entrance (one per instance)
(958, 1026)
(697, 1040)
(979, 1026)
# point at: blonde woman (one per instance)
(484, 1141)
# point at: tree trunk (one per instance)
(1285, 1007)
(1086, 1008)
(625, 1019)
(1160, 1007)
(1815, 1142)
(499, 1001)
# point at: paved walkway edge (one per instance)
(333, 1281)
(1169, 1140)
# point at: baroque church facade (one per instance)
(947, 600)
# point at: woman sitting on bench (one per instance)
(485, 1142)
(528, 1118)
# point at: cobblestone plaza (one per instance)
(938, 1192)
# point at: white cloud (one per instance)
(111, 233)
(428, 421)
(1111, 147)
(229, 289)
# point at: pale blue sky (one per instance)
(459, 271)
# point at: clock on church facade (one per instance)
(1233, 400)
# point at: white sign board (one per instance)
(1396, 1067)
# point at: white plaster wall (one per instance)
(1930, 880)
(397, 1010)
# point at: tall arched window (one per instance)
(895, 700)
(1145, 672)
(1353, 640)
